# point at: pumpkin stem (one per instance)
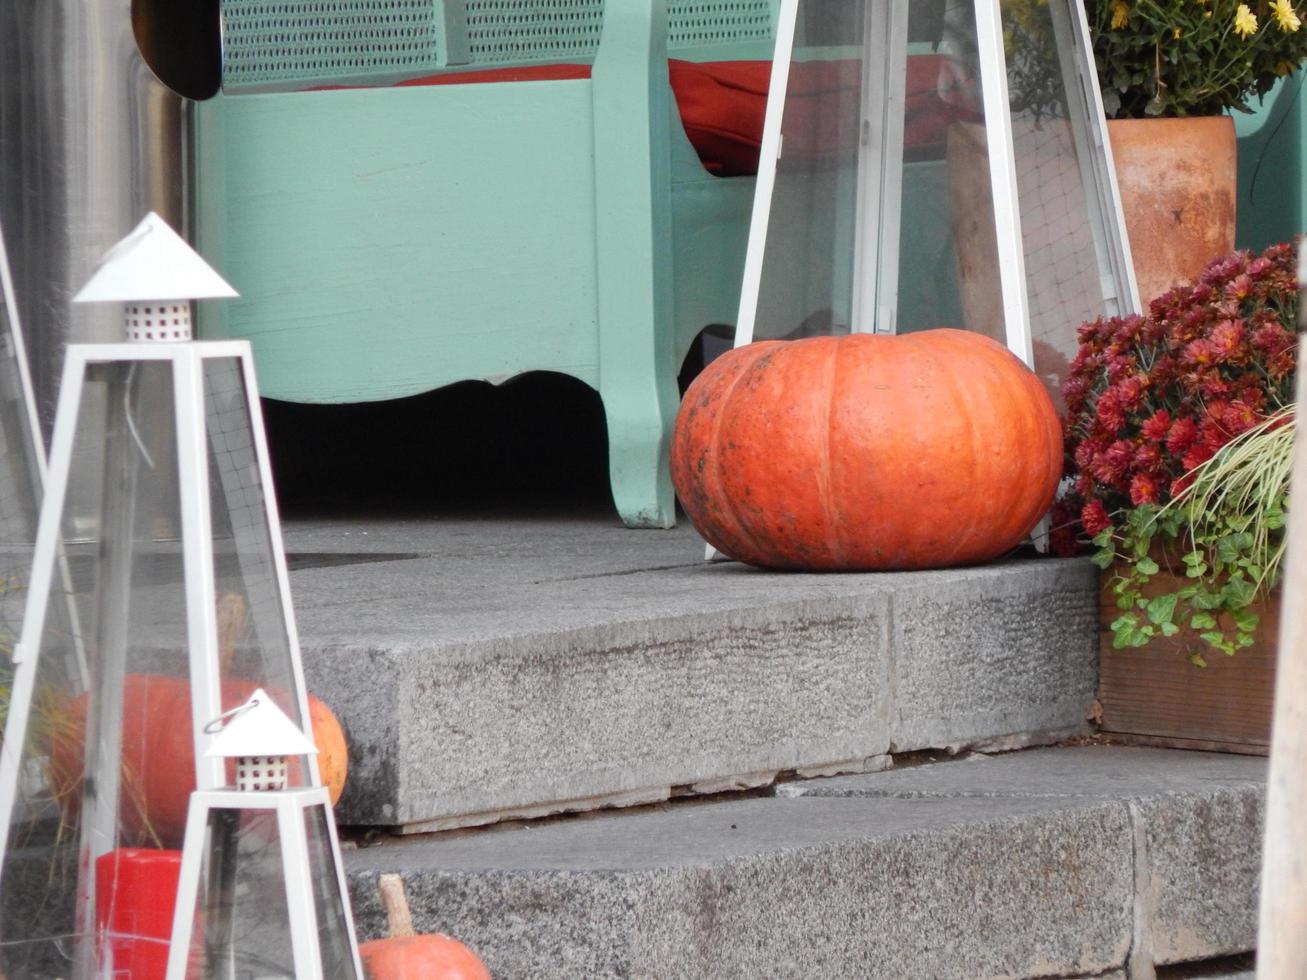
(399, 920)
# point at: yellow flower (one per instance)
(1120, 15)
(1285, 16)
(1176, 33)
(1245, 21)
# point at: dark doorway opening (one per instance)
(534, 445)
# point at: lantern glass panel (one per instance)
(807, 273)
(241, 928)
(885, 209)
(1064, 217)
(103, 757)
(254, 638)
(328, 901)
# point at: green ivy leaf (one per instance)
(1245, 620)
(1169, 629)
(1216, 639)
(1202, 621)
(1104, 557)
(1239, 592)
(1146, 566)
(1162, 608)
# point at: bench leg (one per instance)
(640, 418)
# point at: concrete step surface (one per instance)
(1086, 861)
(487, 670)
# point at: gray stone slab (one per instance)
(976, 659)
(1204, 853)
(486, 670)
(1197, 817)
(1068, 772)
(779, 888)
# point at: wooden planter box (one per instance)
(1154, 695)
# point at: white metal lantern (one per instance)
(261, 739)
(936, 163)
(262, 890)
(158, 599)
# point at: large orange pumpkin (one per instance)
(158, 770)
(867, 452)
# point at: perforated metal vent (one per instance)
(270, 41)
(532, 30)
(704, 23)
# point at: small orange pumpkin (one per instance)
(867, 452)
(406, 956)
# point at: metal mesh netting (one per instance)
(1069, 275)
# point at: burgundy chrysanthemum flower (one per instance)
(1148, 457)
(1183, 434)
(1094, 519)
(1110, 414)
(1150, 396)
(1144, 489)
(1201, 352)
(1227, 338)
(1157, 426)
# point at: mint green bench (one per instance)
(389, 241)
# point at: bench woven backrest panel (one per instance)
(716, 23)
(301, 42)
(513, 31)
(270, 41)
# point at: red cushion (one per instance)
(722, 105)
(525, 73)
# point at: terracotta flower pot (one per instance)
(1178, 189)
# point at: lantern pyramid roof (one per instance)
(260, 728)
(153, 263)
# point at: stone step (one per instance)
(496, 669)
(1066, 862)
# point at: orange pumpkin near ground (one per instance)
(867, 452)
(408, 956)
(430, 957)
(158, 771)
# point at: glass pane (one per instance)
(948, 273)
(23, 908)
(1068, 273)
(874, 215)
(253, 637)
(106, 751)
(241, 927)
(807, 273)
(333, 931)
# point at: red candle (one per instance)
(135, 893)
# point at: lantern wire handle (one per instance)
(219, 723)
(131, 422)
